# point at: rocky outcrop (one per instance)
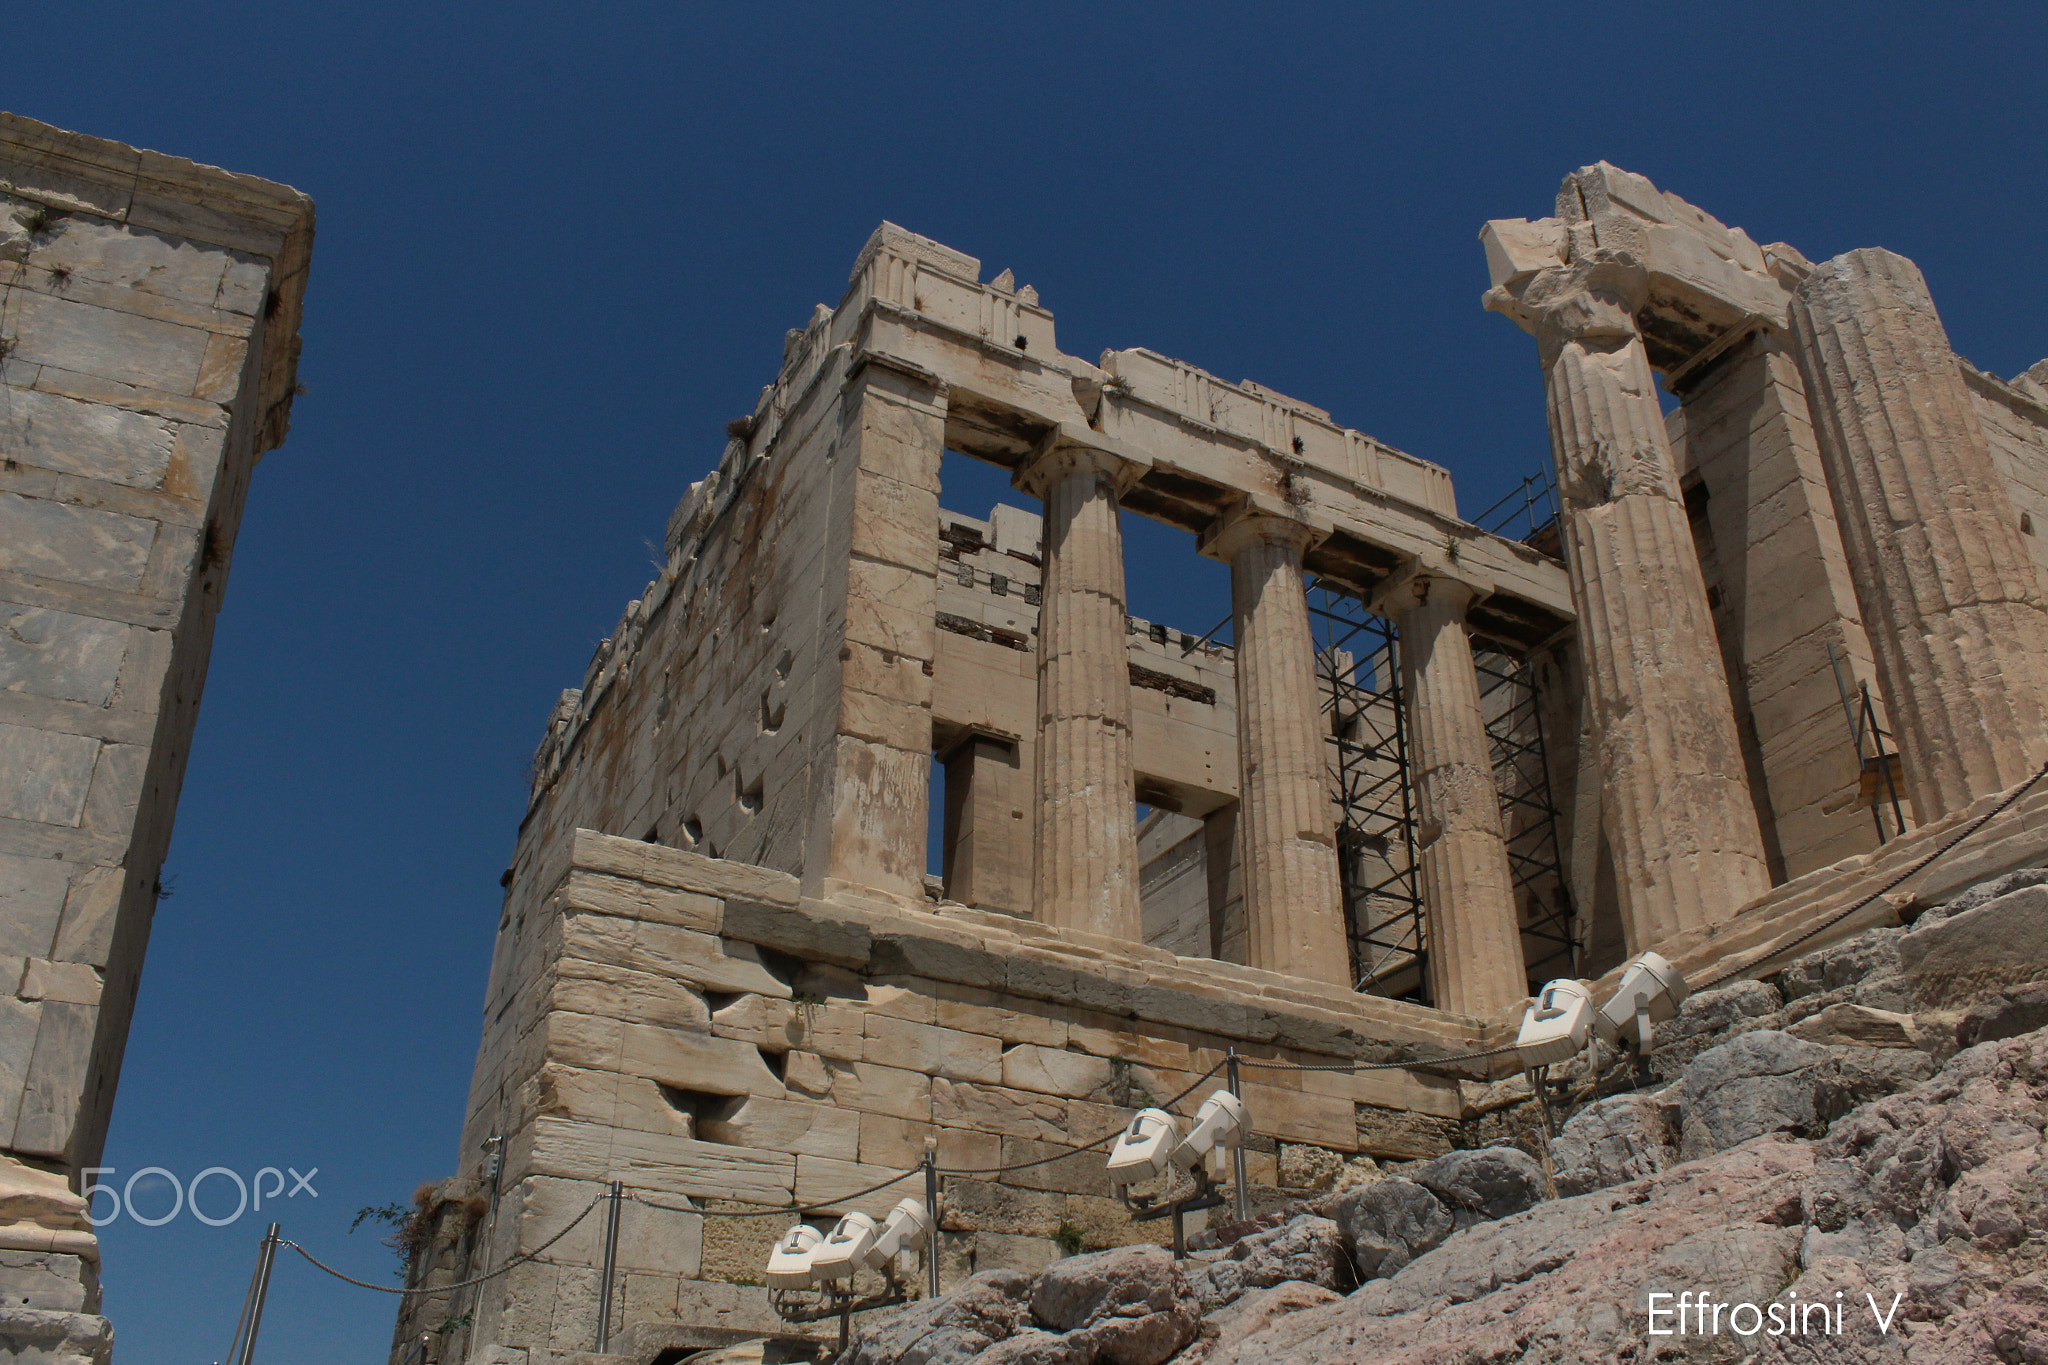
(1130, 1306)
(2017, 1010)
(950, 1329)
(1615, 1140)
(1305, 1250)
(1934, 1199)
(1813, 1136)
(1389, 1224)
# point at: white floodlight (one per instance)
(1558, 1024)
(789, 1264)
(907, 1227)
(1142, 1151)
(1219, 1126)
(845, 1248)
(1651, 991)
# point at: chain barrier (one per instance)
(1247, 1062)
(515, 1262)
(1885, 890)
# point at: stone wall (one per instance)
(703, 1032)
(1764, 529)
(2015, 420)
(148, 337)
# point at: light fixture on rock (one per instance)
(1650, 992)
(1219, 1126)
(1143, 1149)
(789, 1263)
(845, 1249)
(1557, 1025)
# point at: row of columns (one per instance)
(1950, 598)
(1087, 867)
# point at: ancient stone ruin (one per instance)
(149, 313)
(1773, 649)
(1756, 683)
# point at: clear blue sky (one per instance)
(558, 248)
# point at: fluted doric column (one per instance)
(1294, 911)
(1475, 940)
(1087, 838)
(1675, 801)
(1952, 603)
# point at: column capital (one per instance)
(1593, 298)
(1424, 587)
(1248, 523)
(1066, 452)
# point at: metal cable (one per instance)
(1076, 1151)
(1350, 1067)
(446, 1288)
(794, 1209)
(1417, 1064)
(1834, 919)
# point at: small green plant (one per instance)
(1452, 549)
(412, 1225)
(38, 221)
(60, 276)
(1068, 1239)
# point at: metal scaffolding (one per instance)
(1366, 739)
(1521, 771)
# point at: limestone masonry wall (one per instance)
(148, 338)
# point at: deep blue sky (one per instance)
(558, 248)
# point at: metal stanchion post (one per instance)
(266, 1254)
(1237, 1152)
(604, 1279)
(931, 1203)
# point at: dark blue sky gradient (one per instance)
(558, 248)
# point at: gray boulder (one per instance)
(2013, 1011)
(1129, 1306)
(1707, 1019)
(949, 1330)
(1480, 1186)
(1855, 1076)
(1388, 1224)
(1030, 1346)
(1307, 1249)
(1257, 1311)
(1613, 1141)
(1869, 956)
(1967, 958)
(1983, 893)
(1755, 1084)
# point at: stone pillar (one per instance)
(874, 776)
(1086, 827)
(1294, 909)
(1475, 938)
(1675, 801)
(1954, 610)
(985, 863)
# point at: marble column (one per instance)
(1475, 938)
(1949, 597)
(1085, 821)
(1294, 908)
(1675, 801)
